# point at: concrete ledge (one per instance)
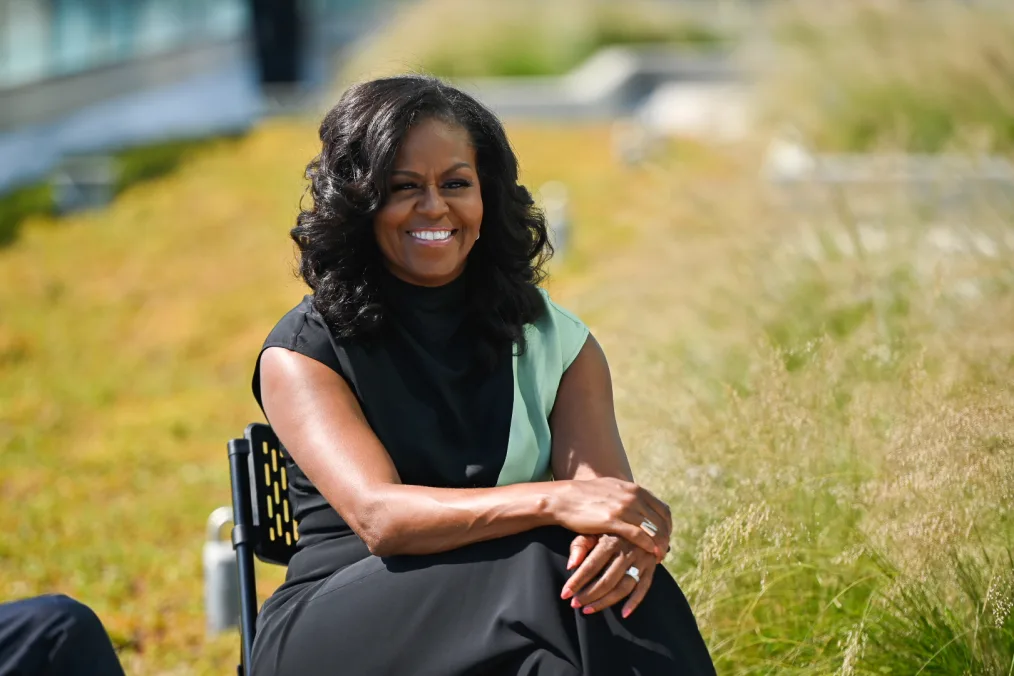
(613, 82)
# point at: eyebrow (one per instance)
(459, 165)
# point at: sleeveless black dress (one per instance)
(490, 608)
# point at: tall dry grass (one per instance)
(827, 406)
(870, 73)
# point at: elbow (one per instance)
(376, 529)
(380, 546)
(377, 540)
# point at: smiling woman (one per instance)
(463, 498)
(432, 218)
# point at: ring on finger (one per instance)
(635, 573)
(648, 527)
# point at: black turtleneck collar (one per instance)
(403, 296)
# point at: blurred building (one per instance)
(92, 76)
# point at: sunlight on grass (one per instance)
(826, 404)
(127, 342)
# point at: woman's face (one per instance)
(432, 218)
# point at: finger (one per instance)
(596, 560)
(630, 530)
(607, 581)
(661, 508)
(658, 507)
(640, 591)
(615, 595)
(579, 549)
(660, 535)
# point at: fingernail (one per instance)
(575, 604)
(626, 613)
(588, 610)
(572, 561)
(567, 593)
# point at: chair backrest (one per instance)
(263, 523)
(274, 528)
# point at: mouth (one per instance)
(433, 236)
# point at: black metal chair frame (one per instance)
(262, 516)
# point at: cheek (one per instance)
(387, 221)
(472, 212)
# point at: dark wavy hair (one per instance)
(340, 258)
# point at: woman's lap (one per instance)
(489, 608)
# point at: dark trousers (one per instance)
(54, 636)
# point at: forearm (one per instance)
(406, 519)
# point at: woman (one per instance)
(427, 392)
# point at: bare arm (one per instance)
(320, 423)
(587, 446)
(586, 440)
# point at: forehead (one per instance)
(434, 141)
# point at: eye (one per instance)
(403, 186)
(457, 183)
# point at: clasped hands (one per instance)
(613, 519)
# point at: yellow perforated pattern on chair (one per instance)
(275, 496)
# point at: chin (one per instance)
(434, 274)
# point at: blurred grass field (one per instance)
(825, 403)
(127, 342)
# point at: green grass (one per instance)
(130, 166)
(809, 491)
(829, 420)
(522, 52)
(524, 38)
(144, 163)
(127, 341)
(18, 205)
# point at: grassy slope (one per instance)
(126, 344)
(821, 422)
(831, 426)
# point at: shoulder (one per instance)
(557, 314)
(560, 328)
(300, 325)
(302, 329)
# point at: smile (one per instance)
(432, 235)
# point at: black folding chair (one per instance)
(262, 517)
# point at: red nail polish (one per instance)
(626, 613)
(588, 611)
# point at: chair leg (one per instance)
(242, 532)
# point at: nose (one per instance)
(432, 204)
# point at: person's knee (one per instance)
(64, 608)
(77, 641)
(78, 622)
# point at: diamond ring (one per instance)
(634, 573)
(648, 527)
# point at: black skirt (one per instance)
(491, 608)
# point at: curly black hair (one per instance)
(340, 258)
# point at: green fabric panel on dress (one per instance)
(553, 342)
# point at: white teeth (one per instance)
(431, 235)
